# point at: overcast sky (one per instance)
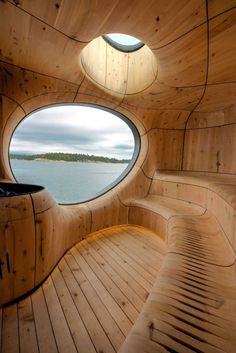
(73, 129)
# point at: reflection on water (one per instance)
(68, 182)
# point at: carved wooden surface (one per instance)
(180, 93)
(92, 297)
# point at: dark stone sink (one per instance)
(11, 189)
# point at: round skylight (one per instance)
(123, 42)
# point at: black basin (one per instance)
(11, 189)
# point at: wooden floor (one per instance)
(92, 298)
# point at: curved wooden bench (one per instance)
(155, 211)
(192, 305)
(215, 192)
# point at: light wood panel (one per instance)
(164, 150)
(117, 71)
(42, 201)
(215, 100)
(163, 119)
(85, 18)
(149, 219)
(139, 80)
(23, 85)
(210, 149)
(185, 311)
(29, 43)
(203, 120)
(35, 233)
(167, 207)
(116, 74)
(95, 294)
(214, 192)
(89, 92)
(136, 186)
(184, 62)
(217, 118)
(5, 139)
(10, 329)
(179, 191)
(160, 96)
(27, 332)
(17, 258)
(216, 7)
(91, 298)
(57, 229)
(107, 211)
(222, 48)
(132, 115)
(157, 23)
(16, 247)
(95, 70)
(8, 107)
(224, 213)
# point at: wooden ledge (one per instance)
(222, 184)
(167, 207)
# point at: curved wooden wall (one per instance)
(186, 116)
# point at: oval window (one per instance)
(76, 151)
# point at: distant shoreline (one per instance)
(68, 157)
(53, 161)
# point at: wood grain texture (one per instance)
(117, 71)
(210, 149)
(181, 63)
(178, 314)
(16, 247)
(164, 150)
(213, 192)
(179, 91)
(87, 304)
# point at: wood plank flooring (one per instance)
(91, 299)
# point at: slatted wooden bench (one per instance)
(192, 306)
(178, 193)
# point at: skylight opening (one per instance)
(123, 42)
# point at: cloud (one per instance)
(74, 129)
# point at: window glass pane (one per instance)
(123, 42)
(123, 39)
(75, 151)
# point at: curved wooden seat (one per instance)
(215, 192)
(193, 302)
(186, 186)
(167, 207)
(154, 211)
(192, 305)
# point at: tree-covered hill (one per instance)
(68, 157)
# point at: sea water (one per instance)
(68, 182)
